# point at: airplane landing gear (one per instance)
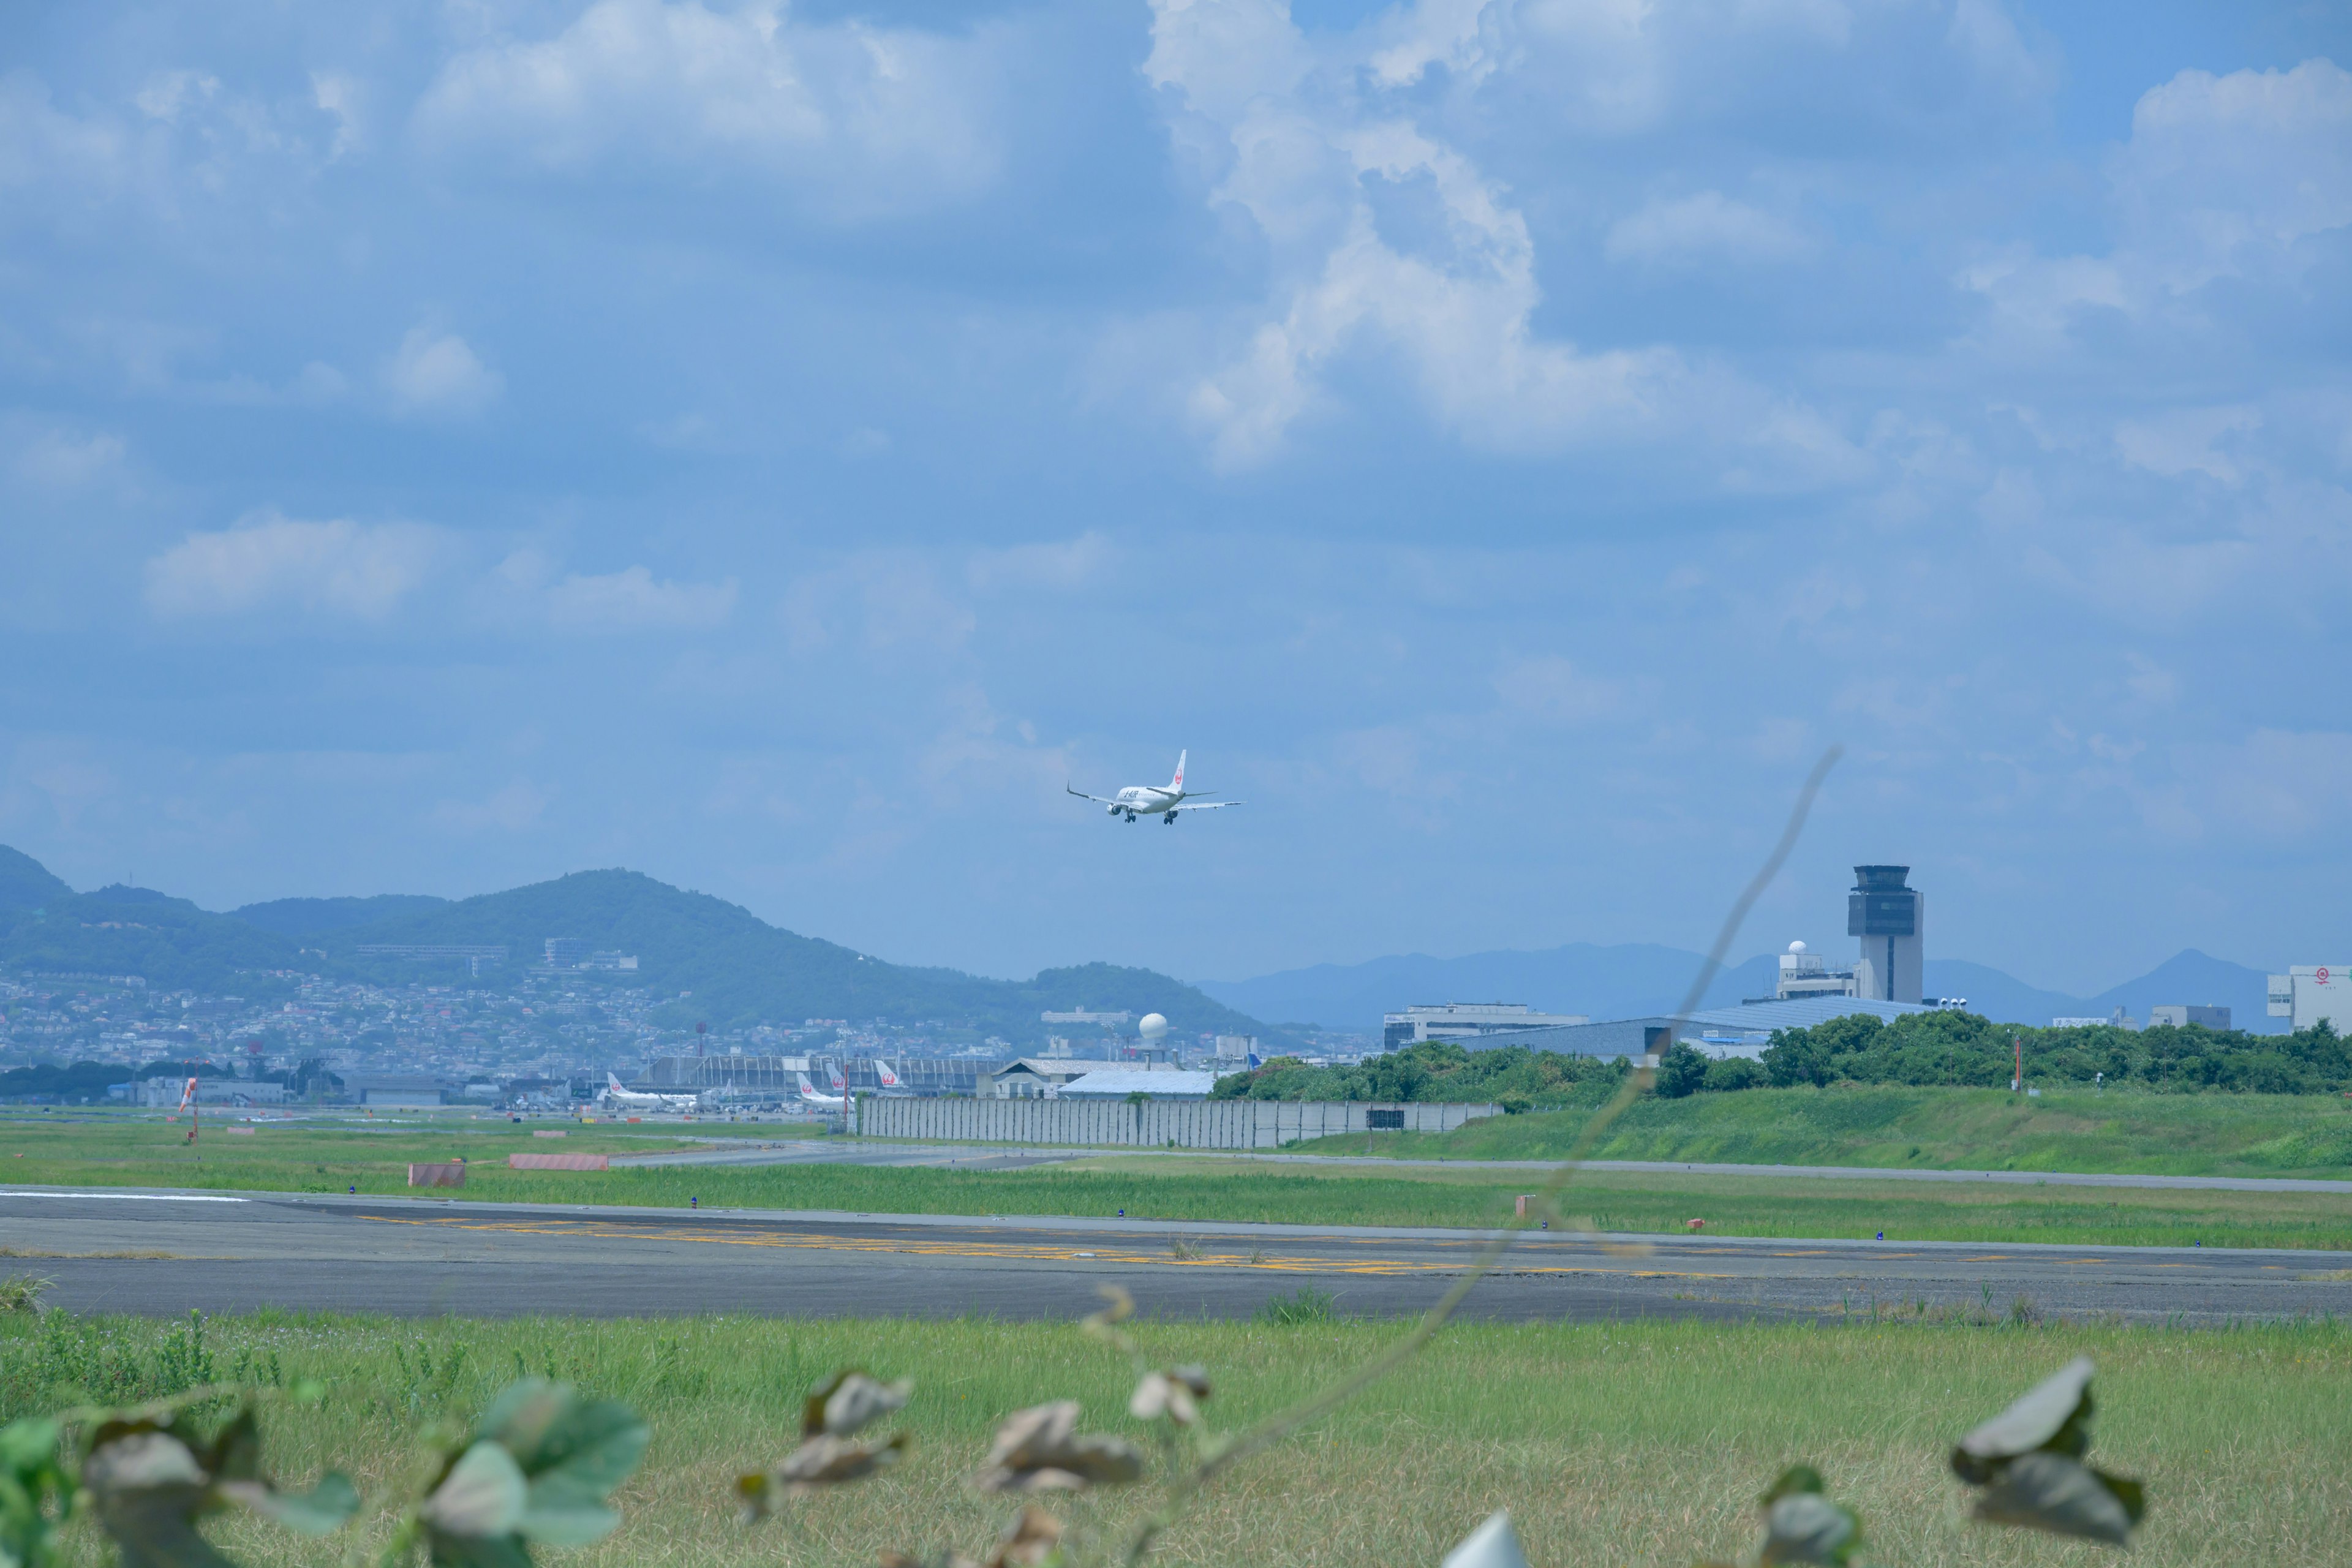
(1170, 819)
(1130, 816)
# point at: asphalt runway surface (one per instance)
(163, 1254)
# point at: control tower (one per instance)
(1892, 921)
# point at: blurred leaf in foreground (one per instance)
(150, 1479)
(1038, 1449)
(1494, 1544)
(539, 1470)
(2029, 1461)
(1801, 1525)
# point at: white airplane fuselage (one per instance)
(1145, 800)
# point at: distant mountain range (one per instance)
(1639, 978)
(740, 970)
(714, 960)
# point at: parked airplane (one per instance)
(631, 1099)
(1149, 800)
(892, 1089)
(838, 1100)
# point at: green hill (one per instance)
(25, 883)
(137, 930)
(316, 917)
(735, 968)
(741, 970)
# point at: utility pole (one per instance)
(2017, 1082)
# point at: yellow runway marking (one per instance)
(1036, 1252)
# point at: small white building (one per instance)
(1808, 974)
(1032, 1077)
(2308, 992)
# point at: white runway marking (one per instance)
(127, 1197)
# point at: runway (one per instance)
(163, 1254)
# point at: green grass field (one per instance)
(1929, 1128)
(299, 1158)
(1641, 1443)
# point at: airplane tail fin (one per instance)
(807, 1088)
(1177, 783)
(611, 1081)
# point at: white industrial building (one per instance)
(1468, 1021)
(1807, 974)
(2307, 993)
(1157, 1083)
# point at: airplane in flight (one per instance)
(1151, 800)
(837, 1100)
(631, 1099)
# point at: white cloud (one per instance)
(2222, 176)
(1065, 564)
(1708, 225)
(339, 567)
(869, 120)
(510, 810)
(58, 460)
(633, 600)
(2182, 442)
(2222, 169)
(1384, 235)
(1553, 689)
(438, 372)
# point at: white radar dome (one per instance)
(1153, 1028)
(1797, 946)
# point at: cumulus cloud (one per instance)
(2223, 176)
(438, 372)
(869, 120)
(1708, 225)
(1383, 234)
(273, 562)
(634, 600)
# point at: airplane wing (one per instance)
(1207, 805)
(1098, 799)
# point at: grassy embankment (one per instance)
(1637, 1443)
(297, 1158)
(1929, 1128)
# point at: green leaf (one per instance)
(483, 1495)
(1795, 1478)
(560, 1511)
(2052, 1415)
(2063, 1496)
(549, 1429)
(1803, 1526)
(477, 1550)
(235, 1452)
(321, 1511)
(29, 1446)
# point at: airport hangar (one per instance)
(1740, 1031)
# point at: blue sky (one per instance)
(773, 447)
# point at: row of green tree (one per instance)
(74, 1083)
(1917, 1048)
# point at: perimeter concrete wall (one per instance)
(1187, 1125)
